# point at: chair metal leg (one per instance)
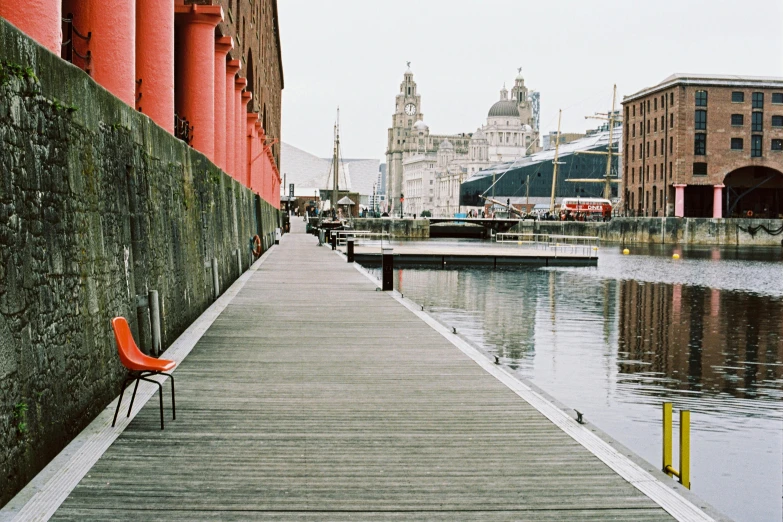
(160, 392)
(133, 397)
(173, 399)
(122, 392)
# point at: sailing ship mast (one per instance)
(555, 163)
(608, 179)
(336, 160)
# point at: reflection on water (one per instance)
(617, 340)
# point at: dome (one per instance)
(478, 135)
(527, 128)
(446, 145)
(504, 108)
(519, 77)
(420, 126)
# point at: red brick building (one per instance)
(208, 71)
(704, 146)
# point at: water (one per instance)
(617, 340)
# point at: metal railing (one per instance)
(577, 245)
(69, 50)
(343, 235)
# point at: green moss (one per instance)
(20, 418)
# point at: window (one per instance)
(662, 147)
(655, 148)
(655, 125)
(737, 144)
(663, 122)
(777, 144)
(777, 121)
(648, 126)
(633, 152)
(655, 104)
(633, 171)
(758, 100)
(755, 146)
(701, 119)
(757, 121)
(655, 172)
(671, 121)
(633, 130)
(777, 97)
(633, 110)
(737, 97)
(737, 120)
(648, 149)
(671, 98)
(671, 144)
(701, 98)
(648, 105)
(700, 144)
(699, 169)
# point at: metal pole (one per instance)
(527, 194)
(685, 448)
(239, 262)
(215, 277)
(350, 250)
(667, 438)
(333, 239)
(154, 303)
(387, 269)
(608, 180)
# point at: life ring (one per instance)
(256, 246)
(750, 213)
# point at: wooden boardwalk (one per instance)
(315, 397)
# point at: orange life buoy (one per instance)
(256, 246)
(750, 213)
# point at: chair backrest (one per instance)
(126, 346)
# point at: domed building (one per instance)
(424, 170)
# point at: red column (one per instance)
(717, 201)
(252, 149)
(246, 97)
(41, 20)
(258, 180)
(155, 61)
(239, 130)
(222, 46)
(232, 67)
(679, 200)
(196, 72)
(113, 46)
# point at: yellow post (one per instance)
(667, 438)
(685, 448)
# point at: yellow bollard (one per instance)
(685, 448)
(667, 438)
(626, 251)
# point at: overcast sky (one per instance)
(352, 53)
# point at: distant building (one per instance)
(565, 137)
(527, 182)
(416, 169)
(704, 146)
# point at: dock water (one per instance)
(313, 396)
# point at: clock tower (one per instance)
(407, 111)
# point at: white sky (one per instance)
(352, 53)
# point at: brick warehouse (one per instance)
(704, 146)
(208, 71)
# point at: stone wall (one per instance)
(97, 205)
(684, 231)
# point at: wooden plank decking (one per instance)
(313, 396)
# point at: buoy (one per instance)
(626, 251)
(675, 256)
(595, 248)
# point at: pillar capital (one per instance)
(233, 66)
(719, 186)
(199, 14)
(246, 96)
(240, 83)
(224, 44)
(679, 185)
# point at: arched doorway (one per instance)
(755, 190)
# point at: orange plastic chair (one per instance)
(140, 367)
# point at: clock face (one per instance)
(410, 109)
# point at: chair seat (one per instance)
(151, 365)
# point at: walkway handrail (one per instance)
(343, 235)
